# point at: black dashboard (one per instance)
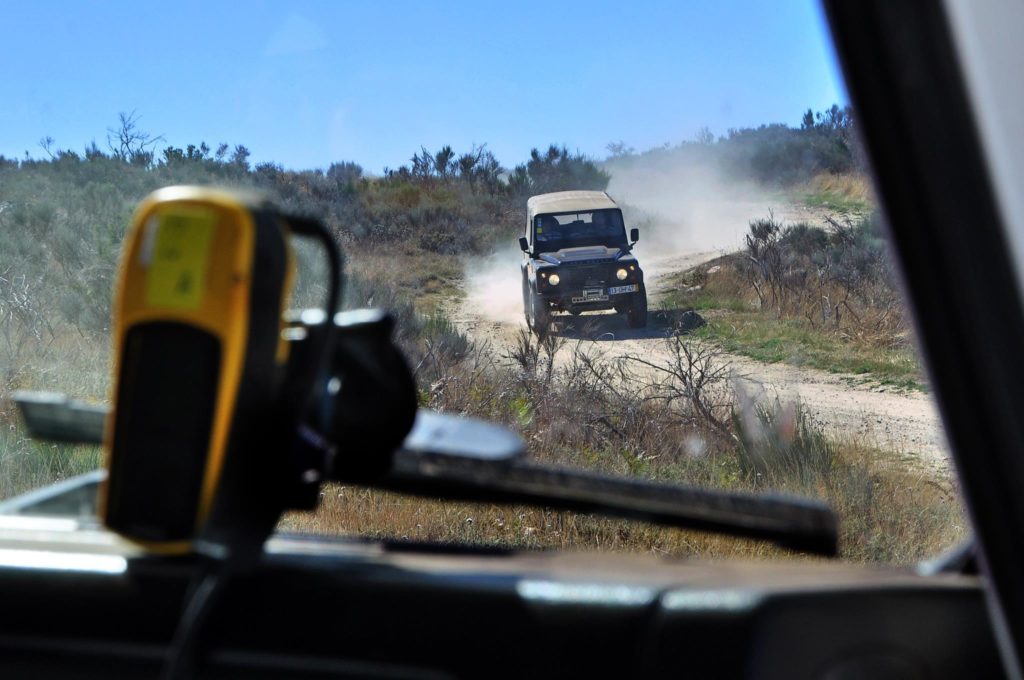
(77, 604)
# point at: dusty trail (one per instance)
(907, 424)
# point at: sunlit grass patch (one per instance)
(27, 464)
(849, 194)
(793, 342)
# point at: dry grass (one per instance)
(425, 277)
(853, 186)
(28, 464)
(849, 193)
(71, 363)
(359, 511)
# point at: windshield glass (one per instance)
(573, 230)
(756, 340)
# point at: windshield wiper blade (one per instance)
(58, 418)
(456, 458)
(797, 524)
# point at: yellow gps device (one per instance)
(200, 360)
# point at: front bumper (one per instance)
(590, 298)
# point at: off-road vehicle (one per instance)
(578, 259)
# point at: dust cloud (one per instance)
(494, 285)
(685, 205)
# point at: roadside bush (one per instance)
(837, 278)
(780, 447)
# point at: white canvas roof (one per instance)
(569, 201)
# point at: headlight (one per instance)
(621, 274)
(553, 279)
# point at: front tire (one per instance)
(540, 316)
(527, 306)
(637, 314)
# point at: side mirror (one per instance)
(634, 235)
(524, 245)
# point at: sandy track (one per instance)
(906, 423)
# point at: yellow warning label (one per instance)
(181, 249)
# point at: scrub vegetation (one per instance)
(63, 216)
(825, 298)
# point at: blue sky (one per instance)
(309, 83)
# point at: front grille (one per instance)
(591, 275)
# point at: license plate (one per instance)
(615, 290)
(592, 295)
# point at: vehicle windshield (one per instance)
(573, 230)
(759, 342)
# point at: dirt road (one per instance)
(906, 424)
